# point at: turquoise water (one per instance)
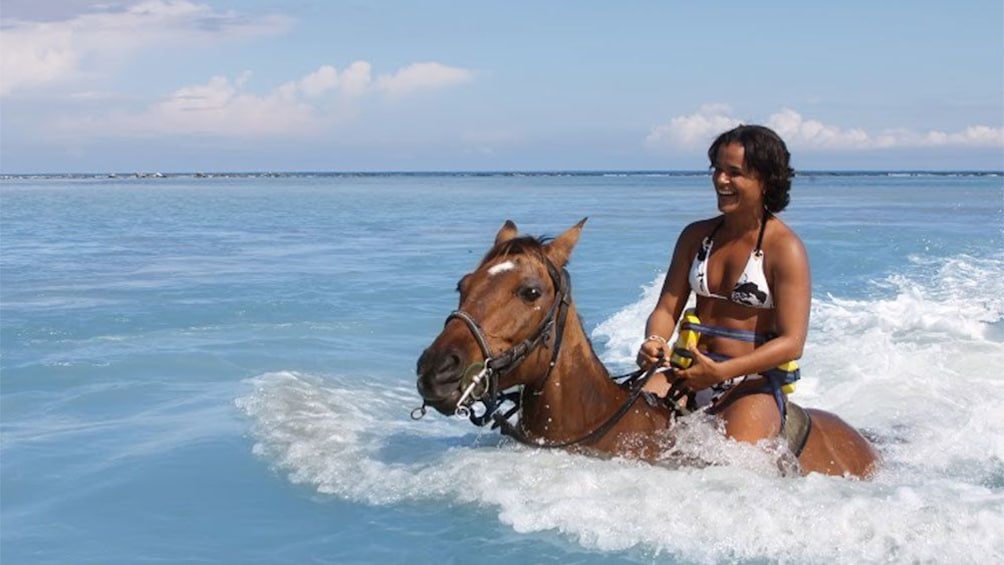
(221, 370)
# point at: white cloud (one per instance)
(356, 79)
(977, 136)
(219, 107)
(298, 108)
(423, 76)
(698, 130)
(320, 81)
(44, 55)
(224, 108)
(35, 54)
(798, 131)
(695, 130)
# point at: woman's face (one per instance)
(737, 187)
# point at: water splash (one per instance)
(928, 387)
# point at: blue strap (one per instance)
(782, 376)
(775, 375)
(775, 387)
(715, 331)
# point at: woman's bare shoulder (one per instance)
(700, 229)
(691, 237)
(783, 243)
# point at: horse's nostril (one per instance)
(439, 374)
(450, 362)
(440, 365)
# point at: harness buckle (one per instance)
(473, 377)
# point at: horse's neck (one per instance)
(578, 392)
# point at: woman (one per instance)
(750, 273)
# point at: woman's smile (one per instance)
(735, 186)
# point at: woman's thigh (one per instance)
(752, 417)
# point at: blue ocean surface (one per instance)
(220, 369)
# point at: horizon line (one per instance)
(375, 172)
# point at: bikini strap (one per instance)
(711, 235)
(702, 255)
(763, 228)
(759, 239)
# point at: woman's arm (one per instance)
(672, 299)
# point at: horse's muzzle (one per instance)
(440, 371)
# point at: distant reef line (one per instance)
(542, 173)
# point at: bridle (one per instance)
(480, 382)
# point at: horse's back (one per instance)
(835, 447)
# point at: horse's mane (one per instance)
(523, 245)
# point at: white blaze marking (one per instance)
(501, 268)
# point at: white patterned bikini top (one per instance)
(751, 289)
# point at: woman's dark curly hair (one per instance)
(766, 154)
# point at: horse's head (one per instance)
(508, 306)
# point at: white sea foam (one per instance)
(904, 366)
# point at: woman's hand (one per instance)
(653, 350)
(702, 373)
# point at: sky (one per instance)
(432, 85)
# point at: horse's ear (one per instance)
(506, 232)
(559, 250)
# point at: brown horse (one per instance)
(510, 331)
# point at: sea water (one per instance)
(220, 369)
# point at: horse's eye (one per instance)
(529, 293)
